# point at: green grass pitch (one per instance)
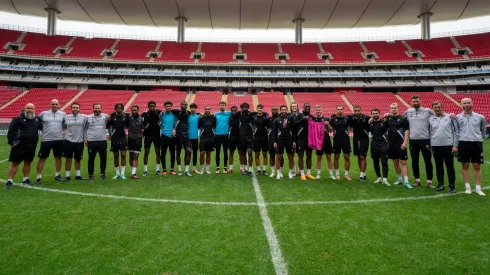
(393, 230)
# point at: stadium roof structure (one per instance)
(253, 14)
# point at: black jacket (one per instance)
(23, 130)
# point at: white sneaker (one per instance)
(208, 172)
(468, 191)
(379, 180)
(480, 193)
(179, 173)
(291, 176)
(294, 174)
(273, 174)
(279, 176)
(318, 177)
(385, 182)
(333, 177)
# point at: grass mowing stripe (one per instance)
(276, 253)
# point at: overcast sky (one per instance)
(193, 34)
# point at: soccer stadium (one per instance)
(204, 155)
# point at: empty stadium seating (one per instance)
(219, 52)
(481, 102)
(260, 52)
(438, 48)
(107, 98)
(159, 97)
(478, 43)
(40, 44)
(236, 100)
(89, 48)
(134, 49)
(345, 52)
(271, 99)
(369, 101)
(389, 51)
(429, 97)
(8, 94)
(41, 98)
(211, 99)
(328, 101)
(306, 53)
(7, 36)
(177, 52)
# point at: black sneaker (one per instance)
(264, 173)
(158, 173)
(362, 179)
(58, 178)
(91, 177)
(250, 173)
(39, 181)
(259, 172)
(103, 177)
(27, 182)
(440, 188)
(452, 190)
(79, 178)
(244, 173)
(67, 178)
(8, 185)
(145, 173)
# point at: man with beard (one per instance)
(301, 125)
(379, 146)
(182, 137)
(207, 124)
(52, 139)
(284, 135)
(397, 144)
(261, 127)
(272, 150)
(23, 137)
(151, 135)
(118, 124)
(135, 138)
(96, 140)
(470, 149)
(341, 141)
(74, 126)
(294, 112)
(246, 138)
(222, 137)
(234, 136)
(360, 124)
(194, 135)
(326, 143)
(418, 119)
(167, 141)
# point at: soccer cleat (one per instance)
(224, 171)
(265, 173)
(209, 172)
(347, 178)
(179, 173)
(133, 176)
(27, 182)
(116, 177)
(158, 173)
(79, 178)
(58, 178)
(440, 188)
(452, 190)
(67, 178)
(379, 180)
(332, 177)
(196, 172)
(259, 172)
(164, 173)
(8, 185)
(480, 193)
(230, 170)
(467, 191)
(303, 177)
(417, 183)
(123, 177)
(218, 171)
(318, 177)
(362, 179)
(430, 185)
(243, 172)
(188, 174)
(103, 177)
(279, 176)
(91, 177)
(39, 181)
(172, 172)
(408, 185)
(337, 177)
(273, 174)
(385, 182)
(145, 173)
(291, 175)
(250, 173)
(398, 182)
(310, 177)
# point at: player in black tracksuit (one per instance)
(341, 141)
(207, 124)
(182, 137)
(234, 137)
(246, 138)
(284, 135)
(272, 150)
(301, 124)
(379, 146)
(151, 135)
(261, 126)
(118, 123)
(360, 124)
(398, 127)
(22, 136)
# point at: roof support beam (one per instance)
(181, 29)
(52, 17)
(298, 34)
(425, 25)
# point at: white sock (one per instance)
(318, 171)
(57, 174)
(77, 172)
(250, 169)
(273, 169)
(417, 179)
(467, 185)
(291, 172)
(308, 171)
(384, 179)
(202, 169)
(11, 180)
(145, 168)
(117, 170)
(39, 176)
(258, 168)
(379, 178)
(207, 168)
(478, 188)
(157, 167)
(180, 168)
(67, 173)
(302, 173)
(346, 173)
(362, 174)
(246, 167)
(429, 181)
(264, 167)
(230, 167)
(400, 177)
(330, 171)
(123, 169)
(337, 172)
(294, 168)
(133, 170)
(405, 178)
(187, 168)
(241, 166)
(280, 170)
(24, 179)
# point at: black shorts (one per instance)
(261, 145)
(361, 147)
(206, 146)
(119, 144)
(233, 142)
(326, 147)
(341, 145)
(285, 146)
(470, 152)
(152, 139)
(22, 152)
(73, 150)
(395, 151)
(379, 150)
(47, 146)
(246, 142)
(134, 145)
(182, 141)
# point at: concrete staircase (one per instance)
(73, 99)
(403, 101)
(14, 99)
(130, 101)
(347, 102)
(255, 101)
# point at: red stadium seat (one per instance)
(261, 52)
(269, 99)
(481, 102)
(380, 100)
(328, 101)
(429, 97)
(219, 52)
(107, 98)
(159, 97)
(134, 49)
(438, 48)
(211, 99)
(389, 51)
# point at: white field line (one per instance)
(2, 161)
(276, 253)
(487, 162)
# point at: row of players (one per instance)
(429, 131)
